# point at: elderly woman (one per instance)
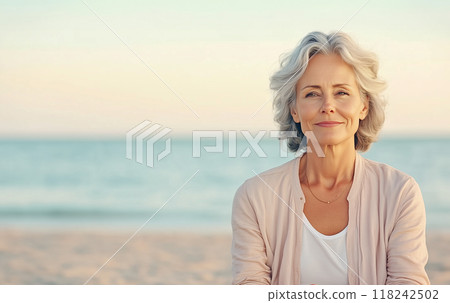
(329, 216)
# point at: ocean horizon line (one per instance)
(184, 137)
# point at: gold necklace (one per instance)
(309, 187)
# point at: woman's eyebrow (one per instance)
(318, 86)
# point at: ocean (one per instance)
(90, 184)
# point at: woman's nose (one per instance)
(328, 105)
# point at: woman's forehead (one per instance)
(327, 70)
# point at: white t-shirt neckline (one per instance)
(323, 259)
(319, 234)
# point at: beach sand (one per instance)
(72, 257)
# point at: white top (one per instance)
(323, 259)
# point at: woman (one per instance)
(329, 216)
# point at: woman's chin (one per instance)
(331, 140)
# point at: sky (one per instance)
(98, 68)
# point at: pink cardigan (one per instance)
(385, 234)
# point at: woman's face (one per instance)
(328, 100)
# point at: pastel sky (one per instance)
(64, 73)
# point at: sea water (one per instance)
(90, 184)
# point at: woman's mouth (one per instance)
(328, 123)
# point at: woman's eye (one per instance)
(342, 93)
(311, 94)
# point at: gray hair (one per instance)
(294, 64)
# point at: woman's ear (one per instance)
(365, 110)
(295, 115)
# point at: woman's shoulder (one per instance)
(383, 170)
(275, 179)
(386, 177)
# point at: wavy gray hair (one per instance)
(294, 64)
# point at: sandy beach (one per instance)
(72, 257)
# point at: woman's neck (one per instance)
(335, 168)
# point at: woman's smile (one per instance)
(329, 123)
